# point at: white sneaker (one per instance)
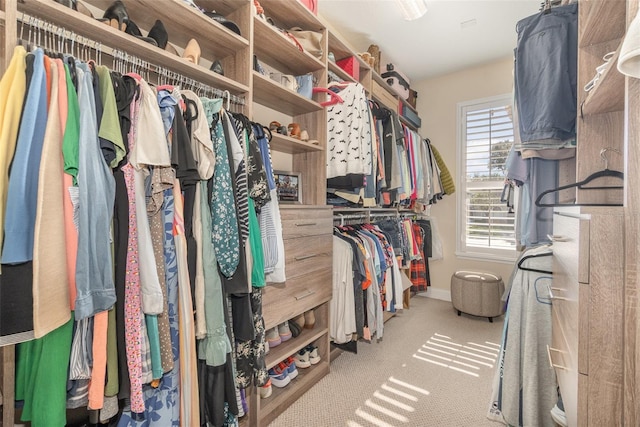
(314, 357)
(559, 416)
(302, 359)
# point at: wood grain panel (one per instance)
(8, 384)
(601, 20)
(290, 145)
(305, 220)
(382, 95)
(608, 93)
(583, 328)
(631, 327)
(285, 301)
(273, 95)
(276, 49)
(294, 15)
(308, 255)
(595, 133)
(606, 320)
(183, 23)
(583, 400)
(111, 38)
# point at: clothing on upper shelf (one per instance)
(131, 197)
(405, 169)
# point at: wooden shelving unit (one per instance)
(601, 23)
(276, 49)
(111, 38)
(268, 92)
(287, 144)
(608, 93)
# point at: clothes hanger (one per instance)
(335, 98)
(535, 270)
(606, 172)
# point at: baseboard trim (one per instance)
(441, 294)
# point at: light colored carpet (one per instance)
(432, 368)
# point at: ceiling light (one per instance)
(412, 9)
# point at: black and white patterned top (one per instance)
(349, 138)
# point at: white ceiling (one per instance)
(434, 44)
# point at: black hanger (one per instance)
(606, 172)
(526, 257)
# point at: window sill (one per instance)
(477, 256)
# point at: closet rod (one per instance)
(57, 38)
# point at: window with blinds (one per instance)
(486, 224)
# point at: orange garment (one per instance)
(47, 71)
(99, 350)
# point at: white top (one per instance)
(349, 134)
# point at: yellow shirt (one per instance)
(12, 91)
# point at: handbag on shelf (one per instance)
(305, 85)
(307, 41)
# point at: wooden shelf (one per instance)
(407, 123)
(273, 95)
(295, 14)
(290, 145)
(91, 28)
(409, 106)
(605, 21)
(223, 7)
(608, 93)
(281, 398)
(277, 50)
(339, 47)
(341, 73)
(387, 315)
(183, 23)
(288, 348)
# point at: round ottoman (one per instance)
(477, 293)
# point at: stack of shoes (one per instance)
(279, 377)
(284, 331)
(265, 390)
(273, 337)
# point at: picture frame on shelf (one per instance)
(288, 186)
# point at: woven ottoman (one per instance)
(477, 294)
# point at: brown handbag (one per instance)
(307, 41)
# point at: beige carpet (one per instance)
(432, 368)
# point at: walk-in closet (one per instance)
(252, 213)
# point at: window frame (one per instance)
(462, 249)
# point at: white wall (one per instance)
(437, 103)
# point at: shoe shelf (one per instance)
(291, 13)
(605, 21)
(215, 40)
(608, 93)
(278, 50)
(111, 38)
(273, 95)
(282, 398)
(287, 144)
(289, 348)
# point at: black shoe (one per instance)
(132, 29)
(118, 12)
(159, 33)
(216, 67)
